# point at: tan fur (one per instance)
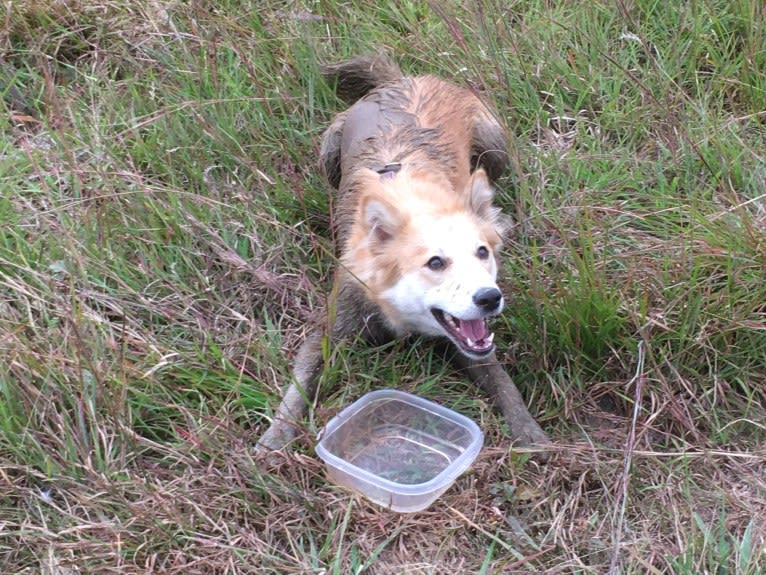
(446, 148)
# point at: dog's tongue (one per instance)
(475, 329)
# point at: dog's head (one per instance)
(427, 255)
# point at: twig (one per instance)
(521, 562)
(638, 378)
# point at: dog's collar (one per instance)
(389, 170)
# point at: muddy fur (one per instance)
(401, 133)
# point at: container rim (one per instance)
(447, 475)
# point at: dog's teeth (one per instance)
(491, 338)
(469, 342)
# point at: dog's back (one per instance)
(397, 118)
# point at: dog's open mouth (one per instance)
(471, 335)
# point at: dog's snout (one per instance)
(488, 299)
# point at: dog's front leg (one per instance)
(490, 375)
(352, 315)
(294, 405)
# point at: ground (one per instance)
(166, 237)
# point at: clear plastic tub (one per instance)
(399, 450)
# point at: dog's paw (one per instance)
(266, 459)
(530, 436)
(272, 447)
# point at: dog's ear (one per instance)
(481, 196)
(381, 218)
(480, 200)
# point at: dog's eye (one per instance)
(435, 263)
(482, 253)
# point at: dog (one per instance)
(414, 160)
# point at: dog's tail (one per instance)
(355, 77)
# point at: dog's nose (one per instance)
(488, 299)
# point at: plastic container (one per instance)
(398, 450)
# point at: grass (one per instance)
(165, 238)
